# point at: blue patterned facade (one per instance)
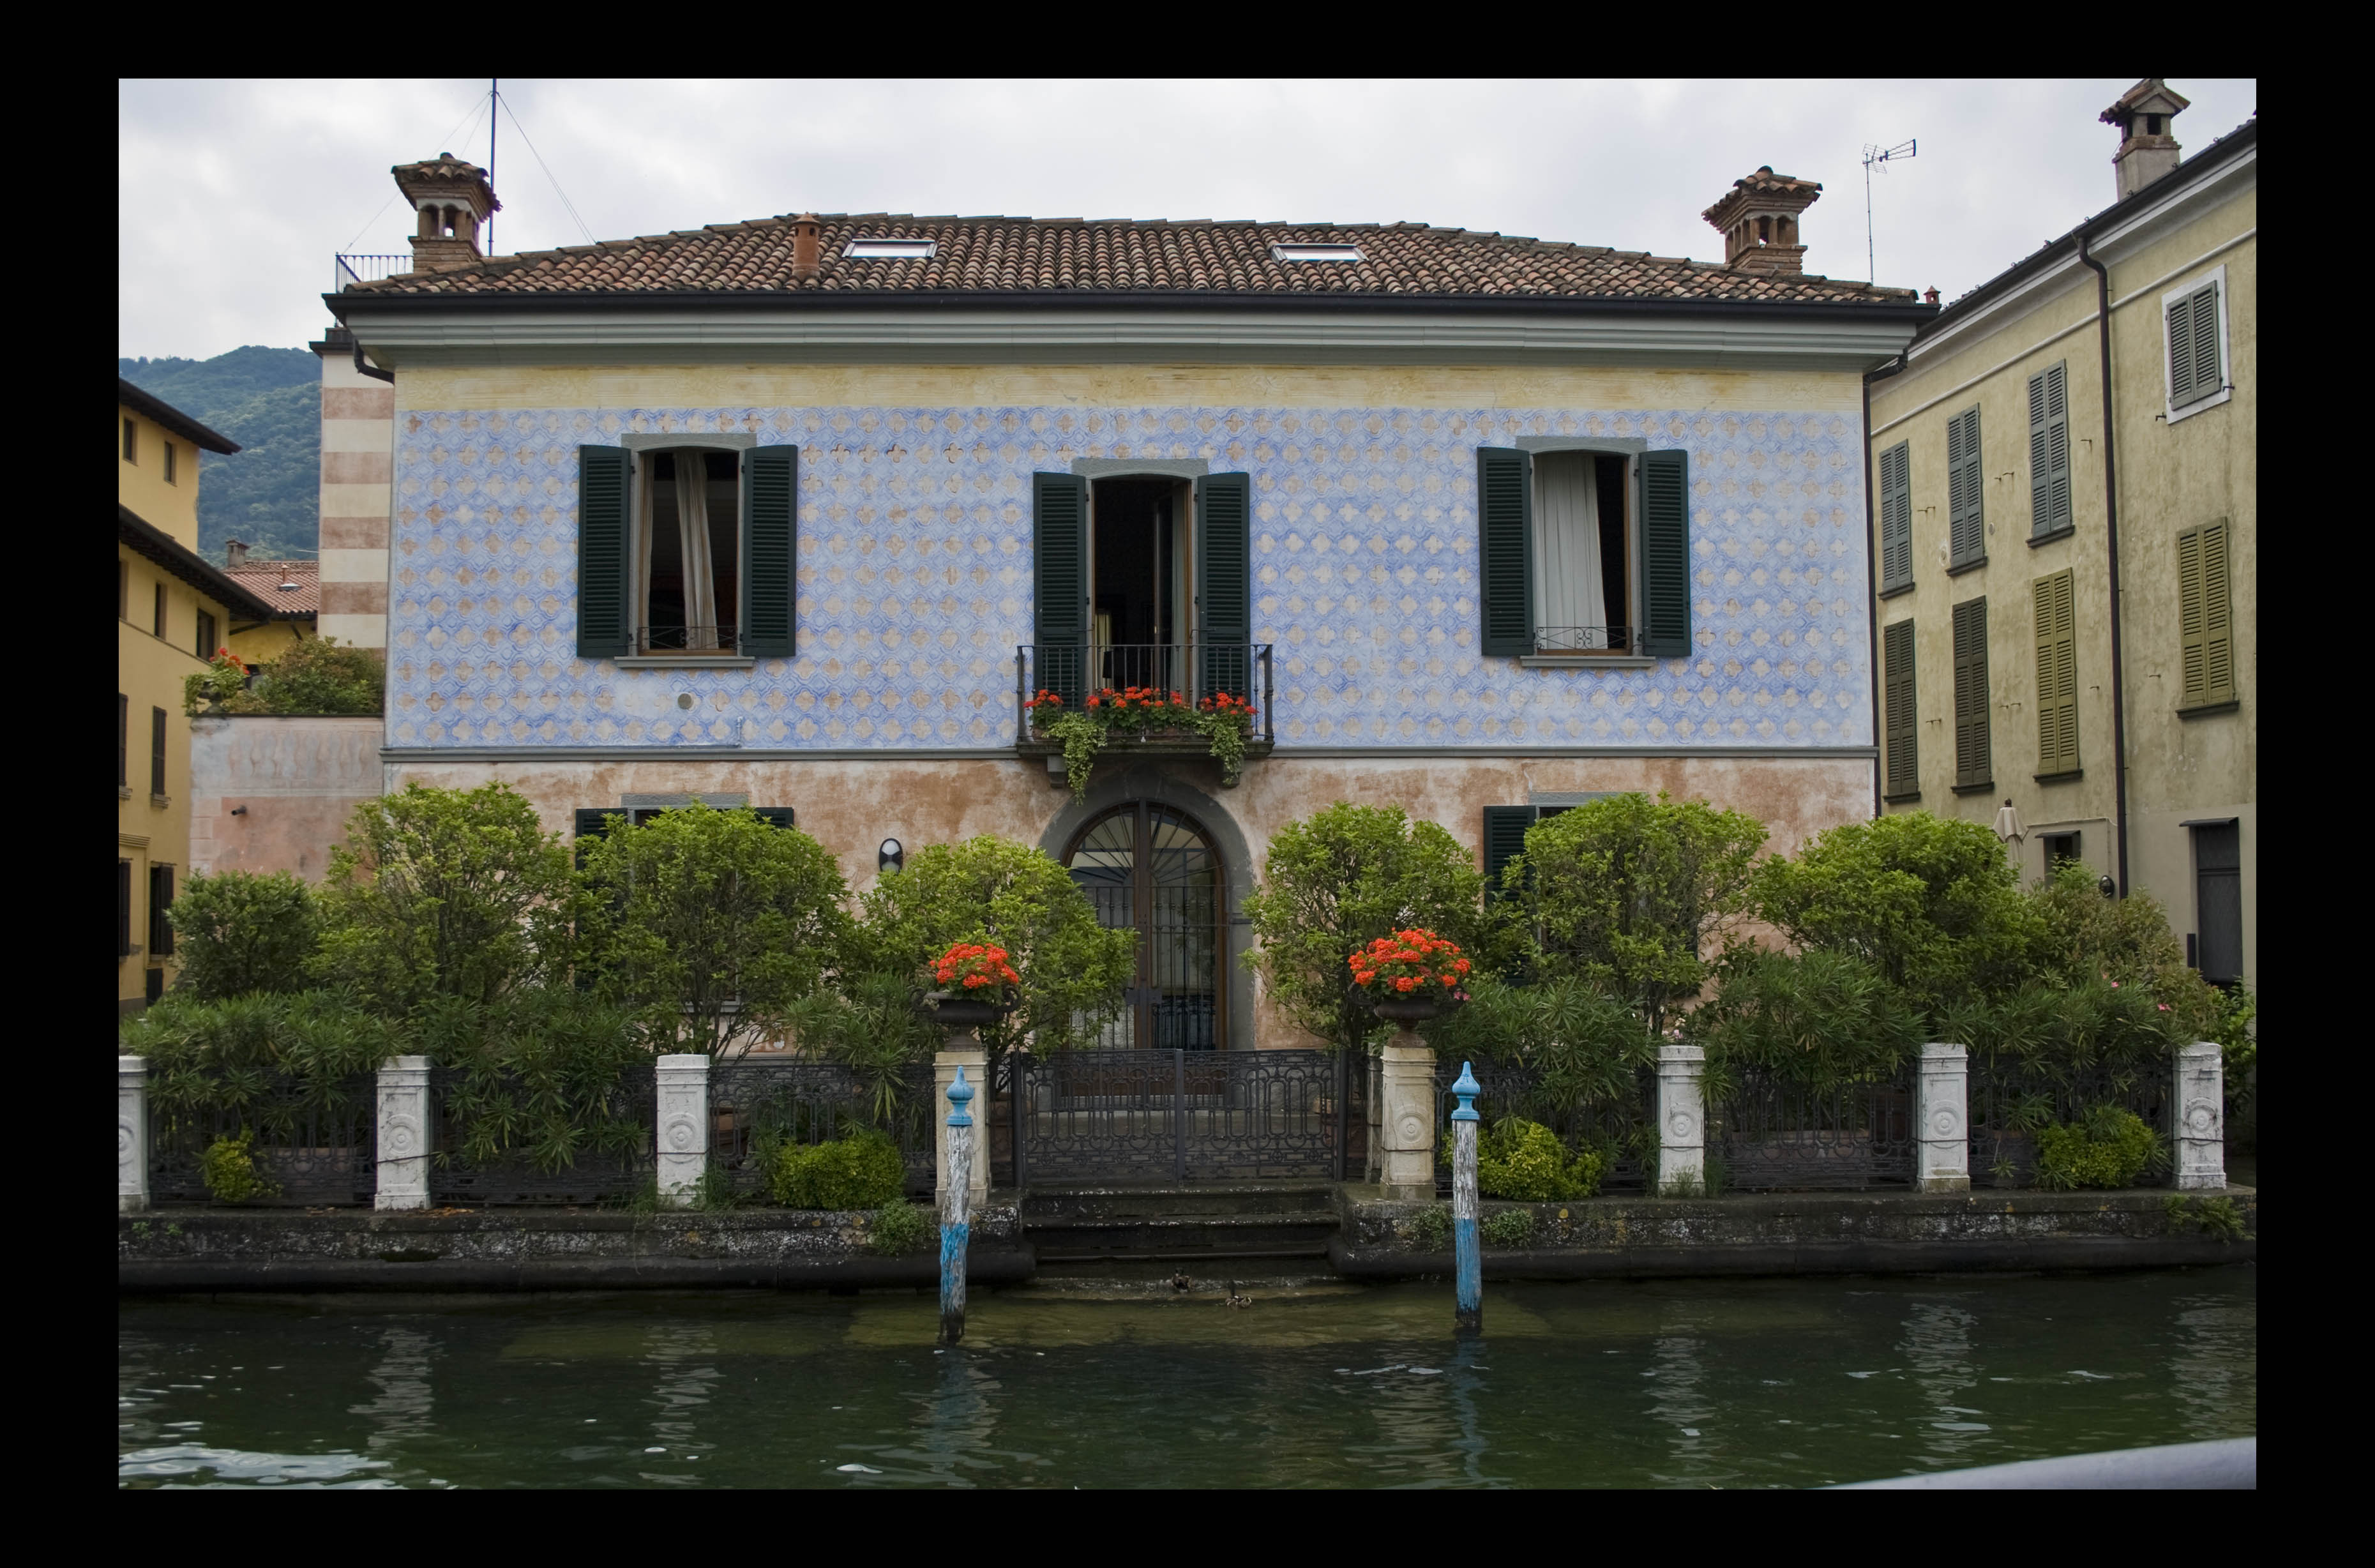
(916, 580)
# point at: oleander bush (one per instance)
(861, 1171)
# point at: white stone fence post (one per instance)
(2200, 1096)
(684, 1141)
(131, 1134)
(1682, 1121)
(403, 1123)
(1942, 1120)
(964, 1050)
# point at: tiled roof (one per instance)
(1108, 256)
(264, 580)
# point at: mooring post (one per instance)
(1468, 1261)
(131, 1134)
(956, 1211)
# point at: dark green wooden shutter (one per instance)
(2056, 618)
(771, 533)
(1060, 603)
(592, 824)
(1666, 554)
(123, 905)
(1505, 840)
(1899, 715)
(1972, 763)
(2205, 616)
(605, 620)
(778, 816)
(1966, 523)
(1224, 604)
(2180, 352)
(1504, 525)
(2048, 449)
(161, 910)
(1897, 517)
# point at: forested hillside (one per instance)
(268, 400)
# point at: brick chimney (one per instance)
(804, 246)
(2147, 116)
(452, 199)
(234, 554)
(1758, 217)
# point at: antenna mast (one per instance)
(1872, 153)
(495, 109)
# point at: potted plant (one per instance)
(1147, 713)
(1411, 976)
(976, 985)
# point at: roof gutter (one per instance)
(2111, 550)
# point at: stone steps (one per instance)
(1205, 1225)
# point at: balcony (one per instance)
(1180, 675)
(345, 271)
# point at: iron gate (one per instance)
(1179, 1116)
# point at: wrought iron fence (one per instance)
(759, 1104)
(1624, 1131)
(1773, 1134)
(1195, 670)
(515, 1176)
(2010, 1102)
(1181, 1115)
(316, 1143)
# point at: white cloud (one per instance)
(233, 197)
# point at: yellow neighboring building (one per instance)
(171, 608)
(2066, 583)
(293, 589)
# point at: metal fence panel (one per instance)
(1774, 1135)
(758, 1103)
(1513, 1088)
(513, 1176)
(1176, 1116)
(2007, 1099)
(318, 1145)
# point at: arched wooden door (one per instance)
(1154, 870)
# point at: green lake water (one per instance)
(1749, 1382)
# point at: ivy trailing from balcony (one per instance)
(1138, 711)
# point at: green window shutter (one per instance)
(592, 824)
(777, 816)
(2207, 376)
(605, 618)
(1504, 525)
(2205, 616)
(1898, 714)
(771, 551)
(1965, 520)
(1972, 762)
(2055, 615)
(124, 908)
(1666, 554)
(161, 910)
(1060, 599)
(2048, 449)
(1505, 840)
(1225, 601)
(1897, 517)
(2180, 352)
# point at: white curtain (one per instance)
(693, 527)
(1569, 592)
(642, 603)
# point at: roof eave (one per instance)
(173, 418)
(186, 563)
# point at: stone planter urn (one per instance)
(966, 1013)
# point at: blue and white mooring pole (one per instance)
(1467, 1271)
(956, 1221)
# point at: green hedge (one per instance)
(862, 1171)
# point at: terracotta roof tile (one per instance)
(1105, 256)
(264, 580)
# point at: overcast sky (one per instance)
(234, 196)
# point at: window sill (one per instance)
(1984, 786)
(122, 792)
(2208, 710)
(2062, 533)
(686, 661)
(2178, 414)
(1892, 593)
(2073, 776)
(161, 802)
(1957, 568)
(1900, 799)
(1588, 661)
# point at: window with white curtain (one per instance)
(1584, 553)
(688, 552)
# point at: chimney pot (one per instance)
(1758, 219)
(451, 200)
(234, 553)
(804, 246)
(1930, 296)
(2145, 115)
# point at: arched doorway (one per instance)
(1152, 868)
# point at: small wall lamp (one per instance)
(891, 856)
(2108, 888)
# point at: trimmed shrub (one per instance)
(862, 1171)
(239, 932)
(899, 1227)
(229, 1168)
(1509, 1229)
(2107, 1147)
(1525, 1163)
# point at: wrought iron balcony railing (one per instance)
(1608, 640)
(722, 639)
(347, 271)
(1197, 671)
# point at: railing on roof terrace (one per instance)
(347, 271)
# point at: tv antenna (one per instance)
(1873, 154)
(495, 103)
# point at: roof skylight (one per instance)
(892, 250)
(1293, 253)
